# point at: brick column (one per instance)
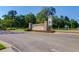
(45, 25)
(30, 26)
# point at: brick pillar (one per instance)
(45, 25)
(30, 26)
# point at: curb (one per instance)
(9, 47)
(15, 49)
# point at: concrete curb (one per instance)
(9, 47)
(15, 49)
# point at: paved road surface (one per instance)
(42, 42)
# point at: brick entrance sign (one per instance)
(46, 26)
(40, 27)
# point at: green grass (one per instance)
(2, 46)
(76, 31)
(20, 30)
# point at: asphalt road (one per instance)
(42, 42)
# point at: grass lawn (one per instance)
(19, 30)
(75, 31)
(2, 46)
(60, 30)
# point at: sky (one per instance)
(71, 11)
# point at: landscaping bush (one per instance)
(11, 28)
(3, 28)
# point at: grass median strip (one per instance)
(2, 46)
(75, 31)
(20, 30)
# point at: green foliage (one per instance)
(12, 14)
(20, 21)
(3, 28)
(73, 23)
(62, 21)
(44, 13)
(7, 22)
(30, 18)
(6, 17)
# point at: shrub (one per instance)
(12, 28)
(3, 28)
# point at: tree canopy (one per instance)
(44, 13)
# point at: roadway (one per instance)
(42, 42)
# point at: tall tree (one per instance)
(44, 13)
(66, 18)
(30, 18)
(20, 21)
(67, 21)
(51, 11)
(12, 14)
(62, 21)
(57, 22)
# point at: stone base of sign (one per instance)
(40, 27)
(43, 31)
(43, 27)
